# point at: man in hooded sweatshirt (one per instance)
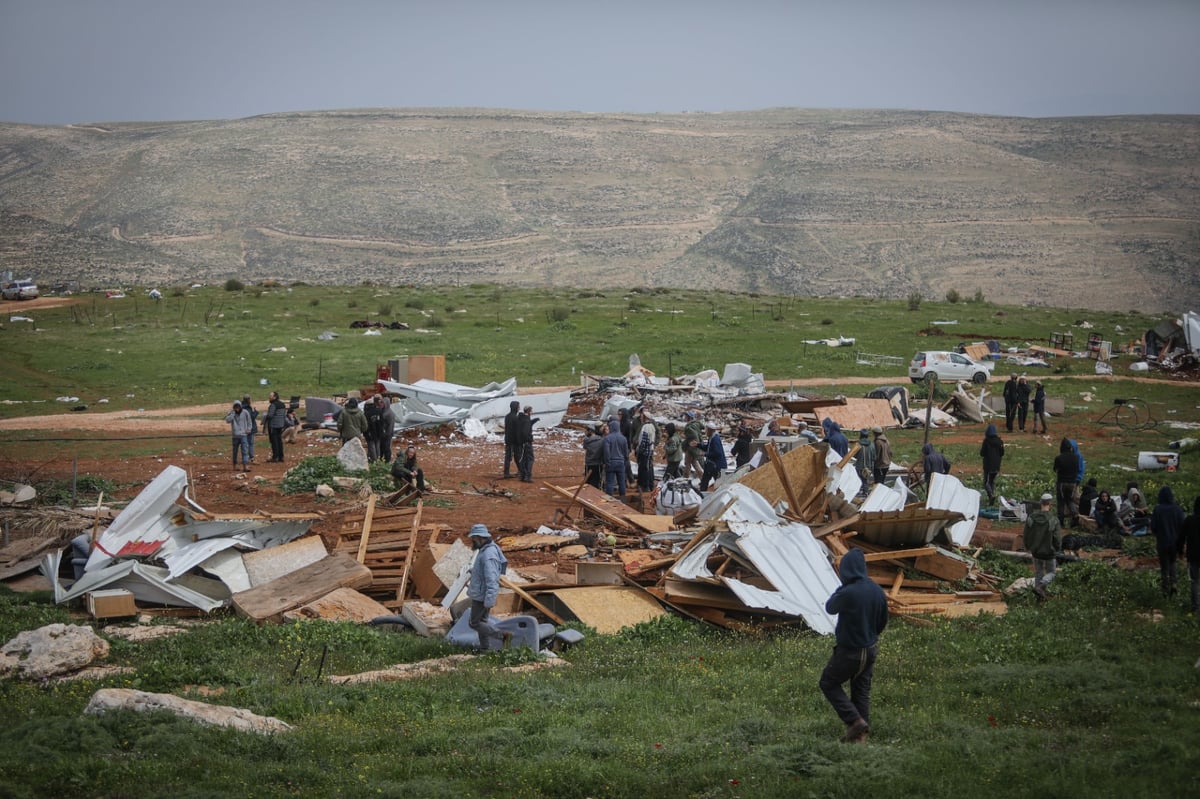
(1166, 523)
(861, 608)
(835, 437)
(933, 462)
(510, 436)
(1066, 479)
(484, 585)
(992, 452)
(352, 422)
(1042, 538)
(883, 454)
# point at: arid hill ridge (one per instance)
(1090, 212)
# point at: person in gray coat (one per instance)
(484, 586)
(240, 424)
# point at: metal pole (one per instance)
(930, 384)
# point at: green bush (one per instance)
(233, 284)
(914, 300)
(952, 296)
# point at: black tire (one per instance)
(979, 378)
(931, 376)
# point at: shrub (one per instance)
(314, 302)
(435, 321)
(415, 303)
(385, 309)
(233, 284)
(979, 295)
(558, 314)
(953, 296)
(914, 300)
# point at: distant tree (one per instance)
(233, 284)
(953, 296)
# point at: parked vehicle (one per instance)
(948, 366)
(20, 290)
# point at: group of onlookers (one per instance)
(279, 422)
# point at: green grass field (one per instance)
(1089, 694)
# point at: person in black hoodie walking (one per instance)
(861, 608)
(1066, 478)
(992, 452)
(1166, 523)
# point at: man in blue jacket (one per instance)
(484, 586)
(861, 608)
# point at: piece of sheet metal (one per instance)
(948, 493)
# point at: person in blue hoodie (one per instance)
(715, 462)
(835, 437)
(861, 608)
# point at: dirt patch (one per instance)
(20, 307)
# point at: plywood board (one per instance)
(515, 543)
(269, 602)
(609, 609)
(268, 564)
(805, 469)
(651, 522)
(859, 413)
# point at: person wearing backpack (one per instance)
(1043, 540)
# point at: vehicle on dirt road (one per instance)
(20, 290)
(948, 366)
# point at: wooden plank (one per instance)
(777, 463)
(610, 608)
(600, 504)
(341, 604)
(900, 554)
(652, 522)
(270, 601)
(366, 529)
(408, 555)
(521, 592)
(896, 583)
(941, 565)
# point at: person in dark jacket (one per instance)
(1088, 496)
(381, 428)
(1022, 402)
(741, 446)
(992, 452)
(1190, 539)
(1010, 402)
(835, 437)
(406, 472)
(673, 450)
(525, 423)
(861, 608)
(1066, 478)
(1039, 407)
(593, 458)
(1166, 524)
(510, 436)
(1108, 520)
(276, 421)
(616, 460)
(714, 457)
(933, 462)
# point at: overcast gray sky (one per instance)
(64, 61)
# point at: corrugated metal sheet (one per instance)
(908, 527)
(949, 493)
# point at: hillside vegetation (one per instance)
(1098, 213)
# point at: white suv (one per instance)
(20, 290)
(948, 366)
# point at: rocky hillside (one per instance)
(1097, 213)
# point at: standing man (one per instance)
(484, 586)
(1022, 402)
(238, 419)
(1043, 540)
(647, 437)
(1039, 407)
(593, 458)
(714, 457)
(835, 437)
(246, 406)
(741, 446)
(992, 452)
(1166, 524)
(1190, 538)
(861, 608)
(352, 422)
(883, 454)
(1066, 479)
(276, 421)
(693, 449)
(510, 436)
(381, 429)
(1010, 401)
(616, 458)
(525, 422)
(865, 458)
(673, 449)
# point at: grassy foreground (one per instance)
(1084, 695)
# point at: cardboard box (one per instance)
(110, 603)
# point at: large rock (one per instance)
(107, 699)
(353, 456)
(51, 650)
